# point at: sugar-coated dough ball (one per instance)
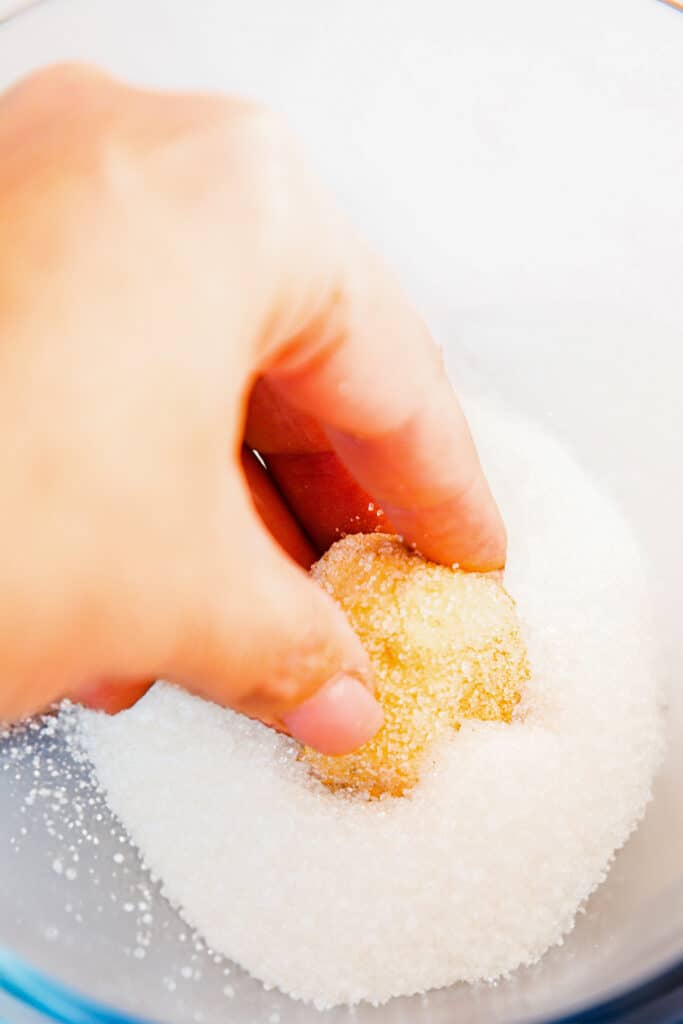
(445, 645)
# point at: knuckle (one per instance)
(72, 83)
(264, 148)
(246, 131)
(261, 128)
(63, 112)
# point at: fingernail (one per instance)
(112, 695)
(339, 718)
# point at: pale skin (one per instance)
(176, 289)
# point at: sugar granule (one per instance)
(483, 865)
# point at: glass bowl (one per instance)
(521, 170)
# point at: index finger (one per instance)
(365, 366)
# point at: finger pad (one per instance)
(324, 497)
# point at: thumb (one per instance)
(269, 642)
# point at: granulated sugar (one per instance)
(484, 864)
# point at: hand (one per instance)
(175, 285)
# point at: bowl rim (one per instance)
(58, 1002)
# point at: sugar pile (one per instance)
(483, 866)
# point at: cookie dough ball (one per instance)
(445, 646)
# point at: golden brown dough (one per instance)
(445, 645)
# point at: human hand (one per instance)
(176, 288)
